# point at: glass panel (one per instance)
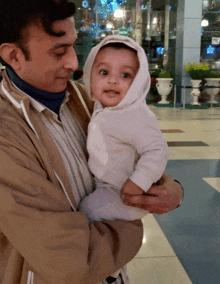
(146, 25)
(210, 34)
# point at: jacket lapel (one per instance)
(82, 111)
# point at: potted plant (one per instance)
(212, 82)
(197, 73)
(164, 86)
(153, 96)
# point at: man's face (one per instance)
(52, 59)
(112, 74)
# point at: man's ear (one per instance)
(11, 54)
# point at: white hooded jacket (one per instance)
(123, 142)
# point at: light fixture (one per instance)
(160, 50)
(109, 25)
(210, 49)
(85, 4)
(204, 23)
(154, 20)
(205, 4)
(118, 13)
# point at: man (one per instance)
(43, 165)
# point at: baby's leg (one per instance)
(105, 203)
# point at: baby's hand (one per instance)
(131, 188)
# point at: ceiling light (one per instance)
(154, 20)
(204, 23)
(109, 25)
(118, 13)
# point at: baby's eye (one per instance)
(103, 72)
(125, 75)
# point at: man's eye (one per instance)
(125, 75)
(103, 72)
(59, 54)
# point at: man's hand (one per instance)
(131, 188)
(160, 198)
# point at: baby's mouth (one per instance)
(113, 92)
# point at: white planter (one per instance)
(212, 91)
(164, 87)
(195, 92)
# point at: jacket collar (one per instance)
(52, 101)
(17, 96)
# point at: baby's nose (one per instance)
(113, 79)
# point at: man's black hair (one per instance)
(77, 74)
(16, 15)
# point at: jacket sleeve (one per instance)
(58, 244)
(146, 137)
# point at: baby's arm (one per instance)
(131, 188)
(146, 137)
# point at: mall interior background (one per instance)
(146, 25)
(182, 246)
(172, 32)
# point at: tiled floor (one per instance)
(183, 246)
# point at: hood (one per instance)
(141, 84)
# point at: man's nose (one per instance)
(71, 60)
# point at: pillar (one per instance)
(188, 42)
(166, 35)
(138, 26)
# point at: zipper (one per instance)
(19, 106)
(64, 189)
(81, 99)
(27, 118)
(30, 279)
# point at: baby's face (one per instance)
(113, 72)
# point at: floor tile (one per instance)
(162, 270)
(183, 246)
(193, 153)
(155, 243)
(182, 115)
(186, 144)
(193, 230)
(171, 131)
(214, 182)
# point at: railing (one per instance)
(201, 88)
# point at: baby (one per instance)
(125, 145)
(126, 148)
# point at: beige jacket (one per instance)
(40, 235)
